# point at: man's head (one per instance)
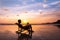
(28, 23)
(19, 21)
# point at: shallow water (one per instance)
(41, 32)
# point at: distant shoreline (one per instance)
(53, 23)
(32, 24)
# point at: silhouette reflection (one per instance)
(58, 26)
(23, 36)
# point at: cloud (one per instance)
(33, 0)
(45, 5)
(45, 1)
(34, 6)
(22, 3)
(11, 12)
(55, 3)
(29, 8)
(10, 3)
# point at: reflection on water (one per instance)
(58, 26)
(41, 32)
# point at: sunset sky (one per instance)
(33, 11)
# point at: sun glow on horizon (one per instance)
(24, 21)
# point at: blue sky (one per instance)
(31, 8)
(30, 4)
(10, 3)
(13, 3)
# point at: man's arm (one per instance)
(16, 23)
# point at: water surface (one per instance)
(41, 32)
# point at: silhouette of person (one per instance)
(29, 28)
(21, 28)
(26, 27)
(19, 25)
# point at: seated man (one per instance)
(26, 27)
(19, 26)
